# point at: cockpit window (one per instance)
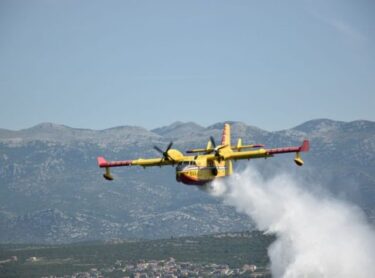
(187, 163)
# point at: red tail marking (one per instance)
(305, 147)
(102, 162)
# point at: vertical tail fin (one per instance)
(225, 138)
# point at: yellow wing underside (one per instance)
(226, 155)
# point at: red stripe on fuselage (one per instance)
(186, 179)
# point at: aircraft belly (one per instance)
(199, 176)
(191, 180)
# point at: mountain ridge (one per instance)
(52, 190)
(311, 124)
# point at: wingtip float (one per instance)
(207, 164)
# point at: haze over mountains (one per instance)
(52, 191)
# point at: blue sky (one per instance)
(99, 64)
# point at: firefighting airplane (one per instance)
(207, 164)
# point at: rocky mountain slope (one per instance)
(51, 190)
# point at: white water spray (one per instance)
(316, 236)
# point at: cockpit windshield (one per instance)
(184, 164)
(187, 163)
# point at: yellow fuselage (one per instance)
(200, 173)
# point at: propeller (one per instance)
(165, 153)
(213, 142)
(216, 149)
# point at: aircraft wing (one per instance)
(259, 153)
(102, 163)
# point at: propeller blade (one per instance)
(165, 153)
(213, 141)
(159, 150)
(169, 146)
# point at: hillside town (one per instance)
(168, 268)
